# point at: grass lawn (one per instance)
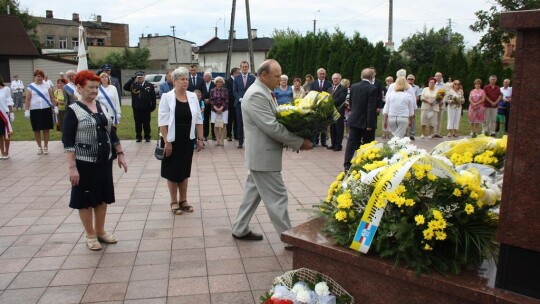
(126, 129)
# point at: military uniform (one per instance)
(143, 102)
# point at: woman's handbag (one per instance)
(219, 121)
(159, 152)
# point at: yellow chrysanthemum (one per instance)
(457, 192)
(431, 176)
(400, 190)
(474, 195)
(341, 215)
(433, 225)
(419, 219)
(469, 208)
(440, 235)
(427, 248)
(419, 174)
(340, 176)
(344, 200)
(409, 202)
(441, 223)
(357, 176)
(408, 175)
(437, 214)
(428, 234)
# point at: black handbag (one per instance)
(159, 151)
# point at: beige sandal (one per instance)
(40, 151)
(177, 210)
(45, 150)
(93, 243)
(107, 238)
(185, 207)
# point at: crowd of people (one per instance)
(86, 108)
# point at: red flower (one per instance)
(282, 301)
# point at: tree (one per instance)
(491, 43)
(421, 47)
(137, 59)
(440, 63)
(28, 21)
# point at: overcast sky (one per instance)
(195, 20)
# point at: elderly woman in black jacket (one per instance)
(91, 145)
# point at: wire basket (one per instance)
(311, 276)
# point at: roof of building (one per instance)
(20, 43)
(216, 45)
(67, 22)
(150, 36)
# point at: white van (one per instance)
(156, 80)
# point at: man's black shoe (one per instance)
(251, 236)
(147, 140)
(139, 140)
(240, 146)
(412, 138)
(324, 145)
(330, 147)
(206, 139)
(338, 148)
(229, 139)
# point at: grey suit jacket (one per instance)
(264, 136)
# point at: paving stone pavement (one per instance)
(160, 257)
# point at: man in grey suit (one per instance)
(264, 139)
(362, 120)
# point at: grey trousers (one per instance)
(269, 187)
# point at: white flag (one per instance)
(81, 55)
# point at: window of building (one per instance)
(50, 41)
(89, 41)
(63, 42)
(74, 42)
(101, 42)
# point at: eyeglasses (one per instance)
(410, 78)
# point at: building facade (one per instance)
(162, 51)
(63, 35)
(212, 56)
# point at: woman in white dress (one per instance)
(6, 117)
(39, 107)
(399, 109)
(454, 99)
(429, 108)
(108, 98)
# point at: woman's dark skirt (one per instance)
(177, 166)
(41, 119)
(95, 185)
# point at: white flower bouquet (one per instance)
(305, 286)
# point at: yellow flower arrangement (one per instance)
(308, 116)
(427, 203)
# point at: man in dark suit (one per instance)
(362, 120)
(378, 84)
(241, 83)
(232, 123)
(195, 81)
(143, 102)
(206, 86)
(339, 93)
(320, 85)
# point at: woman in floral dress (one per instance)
(219, 100)
(476, 108)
